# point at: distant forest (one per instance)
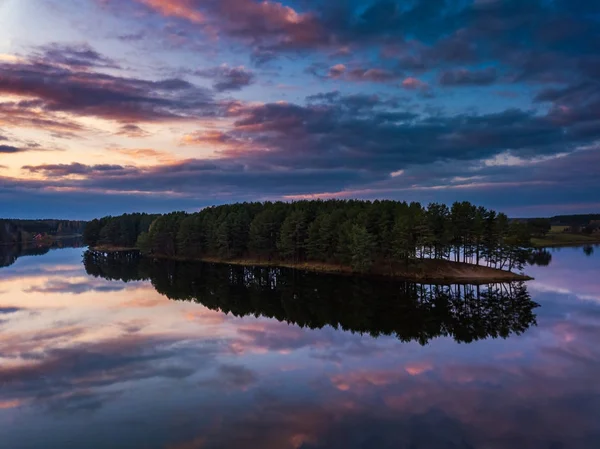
(359, 234)
(574, 220)
(23, 231)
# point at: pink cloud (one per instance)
(411, 83)
(182, 9)
(265, 21)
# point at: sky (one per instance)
(113, 106)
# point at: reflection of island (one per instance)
(407, 310)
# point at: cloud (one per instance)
(464, 77)
(10, 310)
(75, 288)
(79, 56)
(358, 74)
(131, 130)
(228, 78)
(344, 144)
(267, 24)
(179, 9)
(68, 89)
(396, 54)
(411, 83)
(217, 138)
(74, 169)
(28, 114)
(9, 149)
(146, 153)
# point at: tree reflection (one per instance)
(10, 253)
(541, 258)
(588, 250)
(380, 306)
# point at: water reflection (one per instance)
(378, 307)
(10, 253)
(540, 257)
(86, 361)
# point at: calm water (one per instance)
(124, 353)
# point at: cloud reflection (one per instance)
(178, 375)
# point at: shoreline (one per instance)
(50, 240)
(552, 243)
(425, 270)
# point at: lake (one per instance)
(113, 351)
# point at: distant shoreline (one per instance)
(424, 270)
(44, 241)
(550, 241)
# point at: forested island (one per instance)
(438, 243)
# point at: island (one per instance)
(437, 243)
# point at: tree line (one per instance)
(24, 231)
(359, 234)
(409, 311)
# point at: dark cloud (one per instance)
(464, 77)
(227, 78)
(81, 56)
(131, 130)
(74, 169)
(56, 88)
(335, 142)
(8, 149)
(26, 114)
(9, 310)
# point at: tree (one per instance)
(362, 248)
(292, 236)
(539, 227)
(91, 234)
(353, 233)
(264, 232)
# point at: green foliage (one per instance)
(539, 227)
(24, 231)
(359, 234)
(122, 231)
(292, 236)
(362, 248)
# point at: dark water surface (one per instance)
(118, 352)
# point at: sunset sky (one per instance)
(113, 106)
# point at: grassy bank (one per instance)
(424, 270)
(554, 239)
(112, 249)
